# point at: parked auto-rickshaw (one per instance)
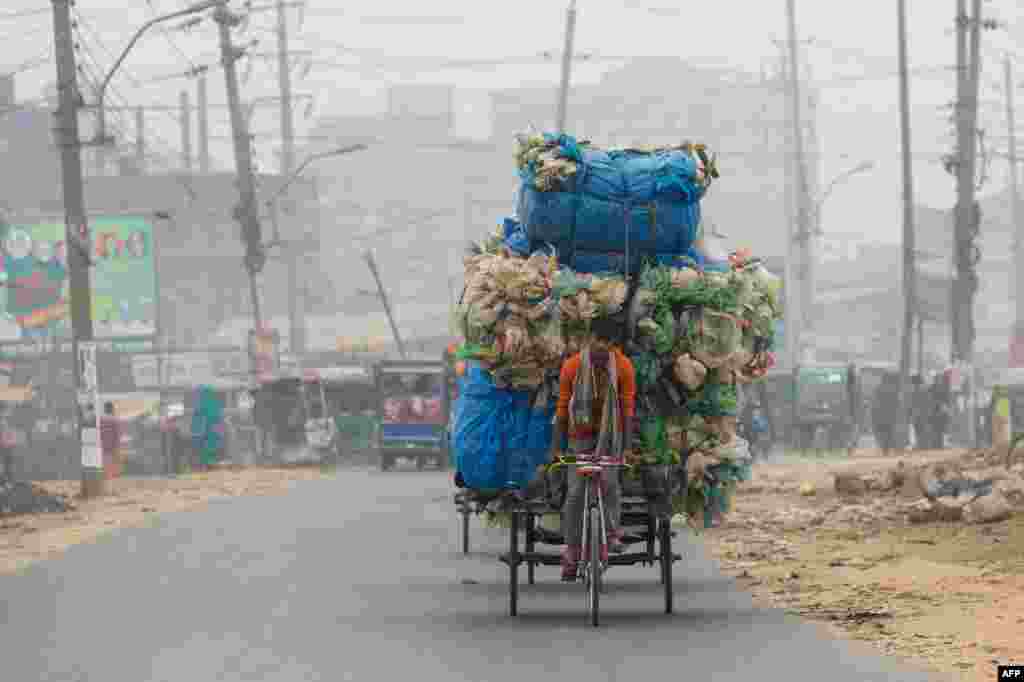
(414, 406)
(339, 404)
(280, 413)
(826, 398)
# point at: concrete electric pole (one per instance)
(968, 218)
(186, 131)
(203, 124)
(76, 230)
(140, 139)
(292, 251)
(802, 262)
(567, 57)
(909, 246)
(1017, 338)
(247, 212)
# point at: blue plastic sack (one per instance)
(617, 201)
(588, 222)
(498, 439)
(515, 238)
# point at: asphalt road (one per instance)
(360, 578)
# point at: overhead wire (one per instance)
(165, 32)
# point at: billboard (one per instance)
(35, 300)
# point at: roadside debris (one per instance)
(17, 497)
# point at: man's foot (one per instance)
(570, 559)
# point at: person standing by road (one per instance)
(940, 411)
(921, 409)
(8, 443)
(885, 411)
(110, 437)
(596, 408)
(208, 427)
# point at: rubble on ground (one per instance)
(19, 497)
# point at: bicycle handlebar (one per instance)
(589, 460)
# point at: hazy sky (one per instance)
(359, 44)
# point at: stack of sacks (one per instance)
(608, 210)
(600, 233)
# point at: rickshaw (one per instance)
(337, 401)
(413, 403)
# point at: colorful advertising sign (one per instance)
(33, 270)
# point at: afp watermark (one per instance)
(1010, 672)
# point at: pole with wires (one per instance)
(76, 234)
(567, 57)
(909, 247)
(1017, 340)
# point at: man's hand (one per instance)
(555, 454)
(630, 457)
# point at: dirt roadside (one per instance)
(946, 596)
(27, 539)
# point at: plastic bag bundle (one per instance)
(605, 210)
(499, 436)
(505, 316)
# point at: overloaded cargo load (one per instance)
(608, 210)
(697, 322)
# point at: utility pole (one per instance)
(247, 212)
(186, 131)
(803, 236)
(909, 246)
(140, 139)
(567, 57)
(968, 218)
(296, 302)
(1018, 252)
(203, 121)
(76, 234)
(284, 76)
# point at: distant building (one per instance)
(202, 279)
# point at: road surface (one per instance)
(360, 578)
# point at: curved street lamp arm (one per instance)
(199, 7)
(315, 157)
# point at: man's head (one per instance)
(605, 333)
(108, 408)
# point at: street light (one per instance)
(295, 307)
(341, 151)
(842, 177)
(101, 136)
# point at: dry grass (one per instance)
(949, 597)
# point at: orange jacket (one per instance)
(627, 386)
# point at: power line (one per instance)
(167, 36)
(24, 13)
